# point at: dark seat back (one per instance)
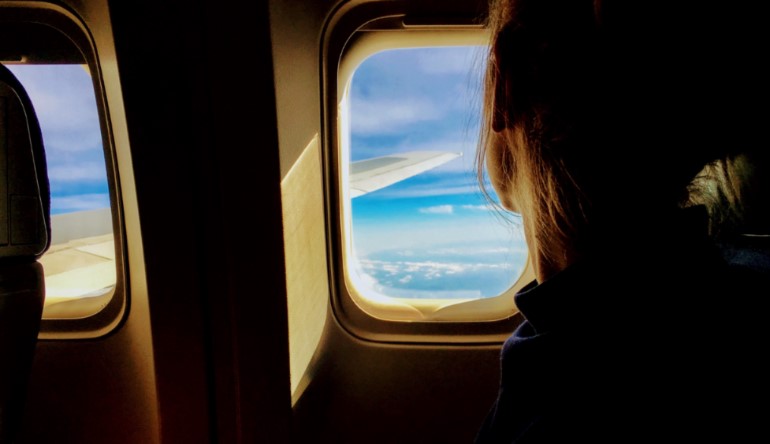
(24, 237)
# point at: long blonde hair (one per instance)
(591, 112)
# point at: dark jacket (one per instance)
(655, 340)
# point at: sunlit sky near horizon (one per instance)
(63, 98)
(435, 234)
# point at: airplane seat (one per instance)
(24, 236)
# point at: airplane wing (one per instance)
(372, 174)
(79, 270)
(80, 264)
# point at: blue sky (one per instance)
(435, 234)
(63, 98)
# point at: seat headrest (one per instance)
(25, 228)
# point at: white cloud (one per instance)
(471, 251)
(467, 251)
(428, 267)
(453, 61)
(467, 269)
(72, 141)
(79, 202)
(389, 116)
(487, 207)
(89, 171)
(444, 251)
(412, 267)
(63, 97)
(438, 209)
(427, 233)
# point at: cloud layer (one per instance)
(81, 202)
(64, 101)
(457, 269)
(438, 209)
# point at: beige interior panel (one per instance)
(305, 243)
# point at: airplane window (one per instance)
(421, 232)
(80, 271)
